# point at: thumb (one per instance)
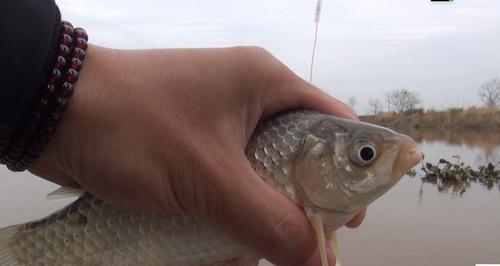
(298, 93)
(263, 219)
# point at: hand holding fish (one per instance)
(165, 131)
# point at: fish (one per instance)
(329, 166)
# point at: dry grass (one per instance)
(474, 117)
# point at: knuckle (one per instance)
(261, 66)
(252, 65)
(251, 52)
(255, 60)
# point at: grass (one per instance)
(472, 118)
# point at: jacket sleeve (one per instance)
(28, 37)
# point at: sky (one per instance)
(443, 51)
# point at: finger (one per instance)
(297, 93)
(357, 220)
(262, 218)
(315, 259)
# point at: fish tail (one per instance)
(7, 255)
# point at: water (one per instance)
(416, 224)
(413, 224)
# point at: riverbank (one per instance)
(454, 118)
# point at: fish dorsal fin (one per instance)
(65, 192)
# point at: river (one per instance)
(413, 224)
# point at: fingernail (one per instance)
(315, 259)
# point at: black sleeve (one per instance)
(28, 37)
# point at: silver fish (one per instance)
(330, 166)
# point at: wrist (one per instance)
(61, 160)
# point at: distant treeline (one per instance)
(471, 118)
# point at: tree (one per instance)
(375, 106)
(352, 101)
(403, 100)
(489, 93)
(388, 100)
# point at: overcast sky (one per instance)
(444, 51)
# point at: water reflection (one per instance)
(478, 161)
(485, 139)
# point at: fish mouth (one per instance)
(408, 157)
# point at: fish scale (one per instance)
(90, 232)
(269, 145)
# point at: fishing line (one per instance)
(316, 21)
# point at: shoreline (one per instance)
(454, 118)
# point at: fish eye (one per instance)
(363, 152)
(367, 153)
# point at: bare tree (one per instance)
(412, 100)
(489, 93)
(375, 106)
(403, 100)
(388, 100)
(352, 101)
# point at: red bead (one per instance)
(67, 29)
(81, 33)
(63, 50)
(80, 53)
(67, 89)
(50, 89)
(72, 75)
(60, 62)
(67, 23)
(76, 64)
(81, 43)
(67, 40)
(56, 76)
(61, 104)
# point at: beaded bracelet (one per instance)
(20, 144)
(54, 101)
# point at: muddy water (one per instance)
(413, 224)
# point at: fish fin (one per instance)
(317, 224)
(335, 247)
(65, 192)
(7, 255)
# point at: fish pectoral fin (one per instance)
(65, 192)
(317, 224)
(335, 247)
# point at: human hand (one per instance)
(165, 131)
